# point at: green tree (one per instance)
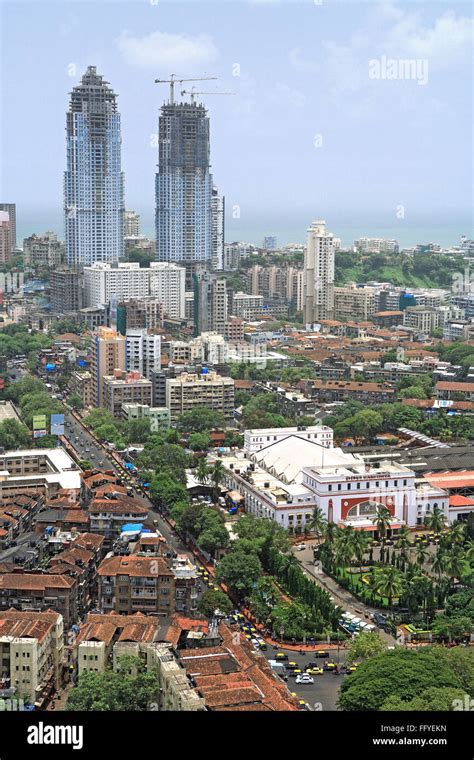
(401, 673)
(200, 420)
(382, 521)
(318, 522)
(433, 699)
(436, 521)
(214, 600)
(14, 435)
(239, 572)
(138, 431)
(199, 442)
(128, 689)
(217, 476)
(203, 471)
(390, 583)
(366, 644)
(75, 401)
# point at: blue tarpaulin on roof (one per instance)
(132, 528)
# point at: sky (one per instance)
(324, 120)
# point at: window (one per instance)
(364, 509)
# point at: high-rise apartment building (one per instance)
(218, 229)
(284, 282)
(270, 243)
(10, 208)
(376, 245)
(168, 285)
(142, 314)
(319, 264)
(210, 303)
(5, 237)
(93, 181)
(162, 281)
(234, 253)
(42, 251)
(65, 289)
(184, 187)
(131, 224)
(143, 352)
(107, 354)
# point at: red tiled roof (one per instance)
(457, 500)
(445, 385)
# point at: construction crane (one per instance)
(192, 93)
(175, 78)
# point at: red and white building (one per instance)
(286, 479)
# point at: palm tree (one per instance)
(421, 555)
(382, 521)
(438, 563)
(469, 550)
(318, 522)
(217, 475)
(389, 583)
(455, 563)
(330, 532)
(403, 543)
(361, 544)
(203, 471)
(456, 533)
(436, 521)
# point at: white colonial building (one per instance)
(285, 479)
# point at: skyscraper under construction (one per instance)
(93, 181)
(184, 188)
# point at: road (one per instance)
(340, 595)
(323, 694)
(88, 448)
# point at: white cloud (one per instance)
(396, 32)
(167, 52)
(299, 62)
(444, 44)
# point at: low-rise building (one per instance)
(37, 471)
(191, 391)
(351, 390)
(125, 388)
(353, 302)
(109, 515)
(455, 390)
(286, 480)
(43, 251)
(257, 439)
(422, 319)
(37, 592)
(132, 583)
(159, 416)
(80, 384)
(31, 653)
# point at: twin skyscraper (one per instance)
(189, 212)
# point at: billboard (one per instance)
(39, 425)
(57, 424)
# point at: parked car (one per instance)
(301, 547)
